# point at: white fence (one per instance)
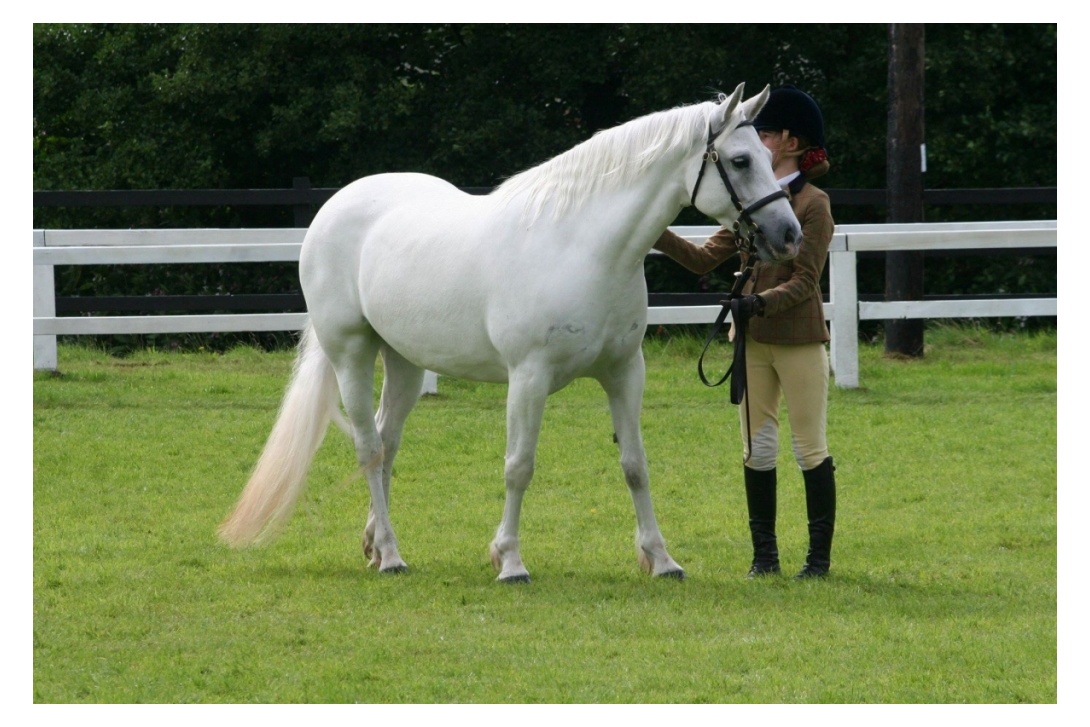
(844, 310)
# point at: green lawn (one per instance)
(944, 584)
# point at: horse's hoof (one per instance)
(395, 570)
(523, 578)
(677, 575)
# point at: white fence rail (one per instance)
(844, 310)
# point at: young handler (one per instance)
(785, 343)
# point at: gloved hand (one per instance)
(751, 305)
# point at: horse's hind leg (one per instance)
(526, 396)
(353, 353)
(624, 387)
(401, 386)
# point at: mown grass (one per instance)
(944, 587)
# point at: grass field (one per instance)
(944, 585)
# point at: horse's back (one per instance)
(369, 199)
(383, 213)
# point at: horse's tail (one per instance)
(279, 476)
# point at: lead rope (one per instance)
(739, 385)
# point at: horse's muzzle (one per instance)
(778, 248)
(788, 252)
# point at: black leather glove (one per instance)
(751, 305)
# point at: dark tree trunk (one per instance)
(904, 177)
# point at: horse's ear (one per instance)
(753, 106)
(725, 109)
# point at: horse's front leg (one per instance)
(525, 407)
(624, 387)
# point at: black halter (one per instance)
(751, 229)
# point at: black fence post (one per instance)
(304, 212)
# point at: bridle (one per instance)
(745, 229)
(745, 232)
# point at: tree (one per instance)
(904, 269)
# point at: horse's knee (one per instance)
(518, 471)
(635, 472)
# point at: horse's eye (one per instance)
(740, 162)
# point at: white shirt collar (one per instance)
(784, 181)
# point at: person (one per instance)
(786, 337)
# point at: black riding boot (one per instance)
(761, 499)
(821, 512)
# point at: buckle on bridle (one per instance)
(747, 238)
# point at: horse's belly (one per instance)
(453, 350)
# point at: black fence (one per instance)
(305, 199)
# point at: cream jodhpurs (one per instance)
(801, 372)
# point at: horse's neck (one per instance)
(617, 226)
(627, 222)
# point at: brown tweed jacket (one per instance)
(791, 290)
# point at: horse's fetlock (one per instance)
(505, 544)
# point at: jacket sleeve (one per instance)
(699, 259)
(816, 219)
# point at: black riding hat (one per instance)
(794, 110)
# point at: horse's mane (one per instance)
(608, 160)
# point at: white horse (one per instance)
(534, 285)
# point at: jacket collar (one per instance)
(793, 183)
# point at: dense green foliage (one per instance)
(253, 106)
(944, 584)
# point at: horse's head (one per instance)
(736, 185)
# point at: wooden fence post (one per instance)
(45, 306)
(904, 178)
(844, 297)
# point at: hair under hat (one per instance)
(792, 109)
